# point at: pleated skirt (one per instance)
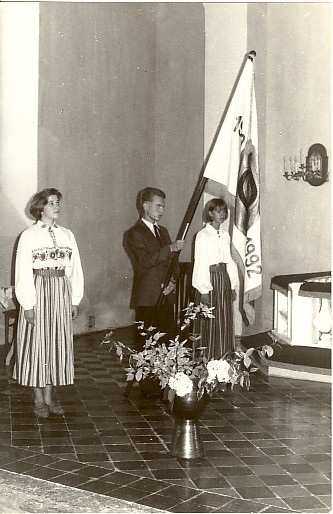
(44, 351)
(217, 333)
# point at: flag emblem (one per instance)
(233, 162)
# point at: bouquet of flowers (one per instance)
(181, 364)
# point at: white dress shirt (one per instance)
(150, 225)
(36, 250)
(212, 247)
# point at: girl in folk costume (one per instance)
(49, 287)
(215, 277)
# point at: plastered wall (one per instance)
(121, 102)
(103, 99)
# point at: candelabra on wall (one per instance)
(314, 170)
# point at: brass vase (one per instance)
(187, 441)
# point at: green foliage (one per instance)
(186, 358)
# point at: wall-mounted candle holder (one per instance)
(314, 170)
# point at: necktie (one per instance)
(157, 235)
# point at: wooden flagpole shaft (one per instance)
(181, 235)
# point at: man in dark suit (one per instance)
(150, 249)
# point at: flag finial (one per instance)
(252, 54)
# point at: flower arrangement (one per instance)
(181, 364)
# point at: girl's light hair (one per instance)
(211, 205)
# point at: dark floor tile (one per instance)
(310, 478)
(130, 466)
(289, 490)
(15, 453)
(149, 485)
(242, 506)
(129, 493)
(234, 445)
(190, 507)
(50, 450)
(117, 477)
(43, 473)
(291, 458)
(182, 493)
(319, 489)
(125, 448)
(67, 456)
(317, 457)
(4, 461)
(327, 500)
(99, 486)
(255, 492)
(274, 469)
(157, 501)
(93, 457)
(302, 503)
(70, 479)
(122, 456)
(257, 461)
(299, 468)
(66, 465)
(27, 443)
(92, 471)
(246, 481)
(161, 474)
(273, 510)
(236, 471)
(61, 441)
(18, 467)
(209, 482)
(146, 455)
(227, 461)
(82, 441)
(42, 460)
(277, 450)
(136, 425)
(278, 480)
(211, 500)
(169, 463)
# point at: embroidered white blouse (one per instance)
(212, 247)
(39, 248)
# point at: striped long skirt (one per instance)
(44, 353)
(217, 333)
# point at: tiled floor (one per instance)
(267, 450)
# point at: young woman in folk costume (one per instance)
(49, 287)
(215, 277)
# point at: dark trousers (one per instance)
(164, 320)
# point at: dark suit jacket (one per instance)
(150, 264)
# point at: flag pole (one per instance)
(200, 186)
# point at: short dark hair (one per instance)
(211, 205)
(40, 200)
(146, 195)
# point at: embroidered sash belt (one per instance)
(49, 272)
(218, 267)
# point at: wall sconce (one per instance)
(315, 169)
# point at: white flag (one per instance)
(233, 162)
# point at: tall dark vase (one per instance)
(187, 441)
